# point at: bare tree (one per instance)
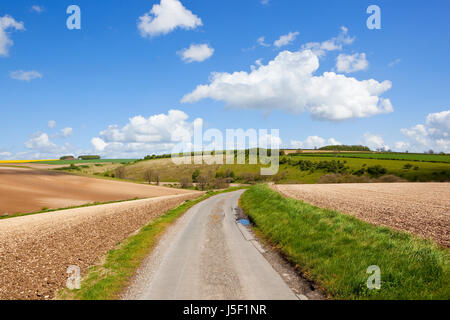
(156, 173)
(185, 182)
(202, 181)
(120, 172)
(148, 175)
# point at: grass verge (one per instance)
(334, 250)
(106, 281)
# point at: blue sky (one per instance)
(92, 81)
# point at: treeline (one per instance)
(345, 148)
(246, 152)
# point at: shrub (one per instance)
(376, 170)
(407, 166)
(119, 173)
(195, 175)
(221, 183)
(186, 182)
(390, 178)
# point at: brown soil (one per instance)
(420, 208)
(27, 190)
(36, 250)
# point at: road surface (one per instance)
(206, 255)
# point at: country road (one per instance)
(206, 255)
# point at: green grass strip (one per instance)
(106, 282)
(334, 250)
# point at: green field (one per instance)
(291, 173)
(124, 161)
(334, 250)
(426, 171)
(387, 156)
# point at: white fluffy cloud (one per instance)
(40, 141)
(434, 134)
(288, 82)
(66, 132)
(36, 8)
(25, 75)
(51, 123)
(286, 39)
(196, 53)
(7, 23)
(166, 17)
(335, 43)
(351, 63)
(261, 42)
(312, 142)
(156, 134)
(374, 141)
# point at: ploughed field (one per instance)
(419, 208)
(27, 190)
(36, 250)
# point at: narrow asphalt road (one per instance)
(206, 255)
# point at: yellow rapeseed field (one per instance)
(24, 161)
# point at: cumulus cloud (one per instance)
(286, 39)
(196, 53)
(37, 9)
(288, 82)
(434, 134)
(374, 141)
(7, 23)
(333, 44)
(156, 134)
(351, 63)
(25, 75)
(51, 123)
(66, 132)
(312, 142)
(166, 17)
(40, 145)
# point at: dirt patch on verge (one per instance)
(36, 250)
(419, 208)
